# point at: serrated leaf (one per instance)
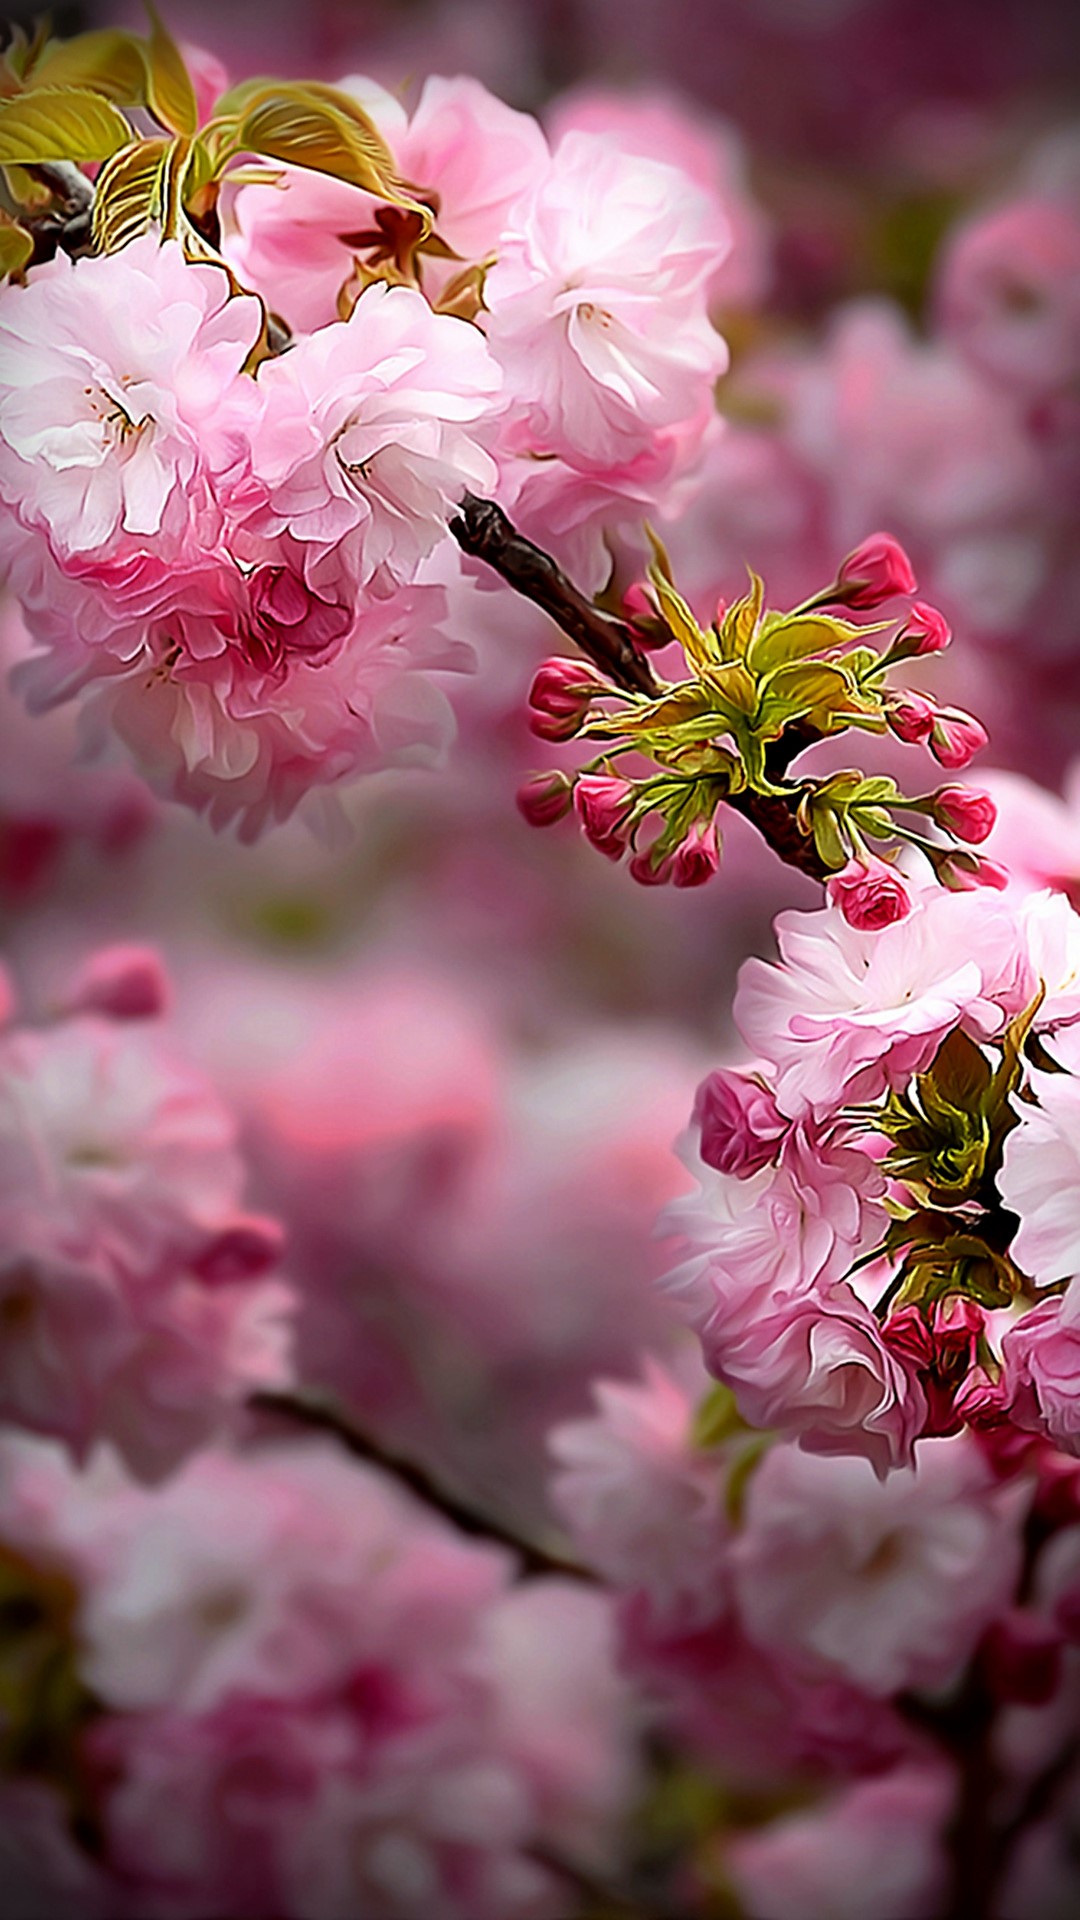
(16, 246)
(796, 691)
(108, 62)
(169, 91)
(296, 126)
(960, 1073)
(56, 123)
(129, 194)
(700, 648)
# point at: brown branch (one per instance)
(319, 1417)
(483, 530)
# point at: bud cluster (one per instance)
(761, 687)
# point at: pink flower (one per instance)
(367, 439)
(1010, 295)
(876, 570)
(121, 395)
(966, 812)
(642, 1501)
(597, 306)
(1040, 1180)
(124, 982)
(544, 798)
(956, 738)
(740, 1122)
(870, 894)
(888, 1583)
(560, 696)
(602, 803)
(847, 1013)
(697, 857)
(1041, 1356)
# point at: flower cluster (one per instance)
(234, 437)
(287, 1689)
(136, 1294)
(762, 687)
(884, 1244)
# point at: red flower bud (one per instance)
(646, 874)
(698, 857)
(965, 812)
(963, 872)
(870, 894)
(876, 570)
(911, 718)
(956, 738)
(560, 696)
(924, 631)
(544, 798)
(123, 982)
(603, 804)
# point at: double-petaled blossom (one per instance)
(870, 894)
(136, 1291)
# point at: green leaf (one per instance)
(700, 648)
(169, 90)
(57, 123)
(785, 637)
(107, 62)
(716, 1418)
(297, 127)
(739, 624)
(129, 193)
(16, 246)
(960, 1073)
(826, 831)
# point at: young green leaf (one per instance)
(59, 123)
(168, 84)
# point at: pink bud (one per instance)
(1021, 1658)
(560, 696)
(966, 812)
(906, 1334)
(911, 718)
(963, 872)
(956, 738)
(876, 570)
(636, 602)
(870, 894)
(124, 982)
(741, 1124)
(924, 631)
(239, 1251)
(647, 874)
(544, 798)
(603, 804)
(698, 856)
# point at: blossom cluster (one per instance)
(884, 1242)
(138, 1296)
(225, 470)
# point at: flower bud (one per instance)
(911, 717)
(544, 798)
(963, 872)
(924, 631)
(870, 894)
(603, 804)
(876, 570)
(741, 1124)
(956, 738)
(650, 874)
(560, 696)
(123, 982)
(697, 858)
(965, 812)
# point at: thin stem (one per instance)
(319, 1417)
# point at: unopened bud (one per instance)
(963, 872)
(544, 798)
(924, 631)
(956, 738)
(965, 812)
(876, 570)
(560, 697)
(911, 717)
(124, 982)
(697, 858)
(870, 894)
(650, 873)
(602, 803)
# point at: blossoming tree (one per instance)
(294, 384)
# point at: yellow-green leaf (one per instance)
(739, 624)
(107, 62)
(312, 133)
(16, 245)
(59, 123)
(129, 193)
(792, 637)
(699, 647)
(169, 89)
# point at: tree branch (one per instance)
(319, 1417)
(483, 530)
